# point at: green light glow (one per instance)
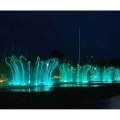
(84, 74)
(95, 75)
(23, 74)
(117, 75)
(108, 74)
(66, 73)
(41, 74)
(88, 74)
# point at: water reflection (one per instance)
(73, 85)
(50, 88)
(32, 89)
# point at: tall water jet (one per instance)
(107, 75)
(43, 71)
(78, 74)
(23, 74)
(94, 75)
(19, 71)
(66, 73)
(84, 74)
(117, 75)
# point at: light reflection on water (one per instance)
(50, 88)
(31, 89)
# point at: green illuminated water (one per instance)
(41, 74)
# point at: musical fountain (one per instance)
(24, 73)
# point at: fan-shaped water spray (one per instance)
(26, 74)
(23, 74)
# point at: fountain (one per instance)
(66, 73)
(23, 74)
(94, 75)
(107, 74)
(117, 75)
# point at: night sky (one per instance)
(39, 33)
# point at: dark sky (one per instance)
(39, 33)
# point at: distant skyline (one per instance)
(39, 33)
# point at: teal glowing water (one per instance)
(87, 74)
(66, 73)
(41, 74)
(24, 74)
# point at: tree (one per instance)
(57, 54)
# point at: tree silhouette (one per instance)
(57, 54)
